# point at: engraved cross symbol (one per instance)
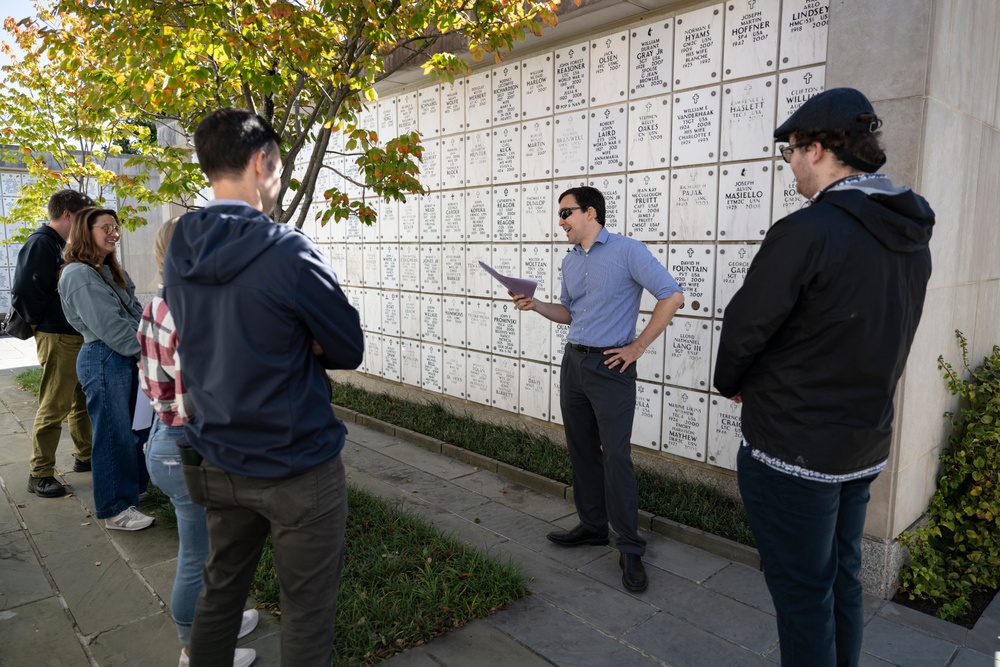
(649, 33)
(649, 107)
(607, 113)
(690, 252)
(684, 396)
(695, 98)
(808, 77)
(607, 44)
(743, 253)
(748, 88)
(505, 69)
(687, 326)
(743, 172)
(570, 54)
(645, 181)
(506, 191)
(751, 4)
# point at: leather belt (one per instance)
(586, 349)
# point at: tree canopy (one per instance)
(96, 72)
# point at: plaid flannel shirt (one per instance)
(159, 364)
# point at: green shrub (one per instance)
(957, 552)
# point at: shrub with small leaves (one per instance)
(957, 551)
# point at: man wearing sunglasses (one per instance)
(604, 275)
(813, 345)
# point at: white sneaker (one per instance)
(243, 658)
(130, 519)
(250, 618)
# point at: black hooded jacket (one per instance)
(816, 338)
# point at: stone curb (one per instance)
(720, 546)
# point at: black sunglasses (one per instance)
(566, 212)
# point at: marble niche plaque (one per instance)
(693, 267)
(747, 128)
(650, 365)
(536, 212)
(453, 107)
(536, 149)
(430, 267)
(505, 383)
(453, 162)
(536, 332)
(556, 416)
(648, 415)
(695, 127)
(355, 265)
(453, 268)
(537, 86)
(430, 217)
(369, 231)
(430, 317)
(507, 262)
(698, 47)
(356, 297)
(651, 57)
(409, 266)
(431, 360)
(390, 313)
(506, 214)
(373, 310)
(430, 165)
(506, 328)
(685, 422)
(794, 88)
(478, 101)
(536, 264)
(354, 178)
(477, 281)
(453, 216)
(689, 347)
(373, 354)
(406, 113)
(608, 69)
(454, 372)
(506, 93)
(535, 386)
(570, 139)
(409, 315)
(649, 133)
(453, 321)
(732, 264)
(372, 270)
(337, 256)
(803, 32)
(387, 119)
(647, 199)
(409, 219)
(608, 136)
(388, 221)
(390, 358)
(478, 158)
(10, 184)
(571, 77)
(725, 433)
(693, 194)
(507, 154)
(479, 324)
(479, 214)
(787, 199)
(744, 201)
(429, 111)
(559, 332)
(751, 38)
(368, 117)
(409, 353)
(479, 378)
(613, 189)
(717, 332)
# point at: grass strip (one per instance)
(689, 503)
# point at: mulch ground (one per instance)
(980, 601)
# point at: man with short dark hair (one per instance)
(604, 275)
(35, 297)
(260, 317)
(813, 345)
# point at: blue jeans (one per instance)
(164, 462)
(809, 535)
(110, 382)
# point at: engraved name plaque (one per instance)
(689, 346)
(479, 324)
(454, 372)
(647, 199)
(479, 214)
(732, 264)
(608, 135)
(744, 201)
(693, 267)
(803, 32)
(536, 149)
(613, 189)
(507, 154)
(506, 93)
(570, 137)
(649, 133)
(693, 195)
(478, 158)
(478, 101)
(685, 418)
(648, 415)
(429, 110)
(536, 212)
(747, 110)
(535, 386)
(453, 217)
(572, 74)
(695, 128)
(536, 86)
(725, 435)
(651, 57)
(698, 47)
(506, 214)
(479, 378)
(794, 88)
(453, 107)
(453, 321)
(609, 69)
(751, 38)
(505, 383)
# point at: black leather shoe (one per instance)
(579, 536)
(81, 466)
(46, 487)
(633, 573)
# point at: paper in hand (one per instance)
(524, 286)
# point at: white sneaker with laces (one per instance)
(130, 519)
(250, 618)
(243, 658)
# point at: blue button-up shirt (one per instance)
(602, 288)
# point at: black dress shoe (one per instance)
(578, 537)
(81, 466)
(633, 573)
(46, 487)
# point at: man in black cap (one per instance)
(813, 345)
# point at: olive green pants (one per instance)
(60, 398)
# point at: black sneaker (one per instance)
(46, 487)
(81, 466)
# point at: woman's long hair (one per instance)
(162, 241)
(80, 246)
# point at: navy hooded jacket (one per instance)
(248, 297)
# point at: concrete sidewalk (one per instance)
(73, 593)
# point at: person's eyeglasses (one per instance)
(566, 212)
(111, 229)
(786, 151)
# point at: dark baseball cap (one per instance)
(844, 109)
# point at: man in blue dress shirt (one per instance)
(603, 278)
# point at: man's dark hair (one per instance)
(588, 197)
(865, 145)
(226, 139)
(67, 200)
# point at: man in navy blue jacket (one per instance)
(260, 317)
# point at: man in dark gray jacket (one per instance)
(813, 346)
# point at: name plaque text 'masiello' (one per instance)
(745, 201)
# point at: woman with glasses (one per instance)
(98, 298)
